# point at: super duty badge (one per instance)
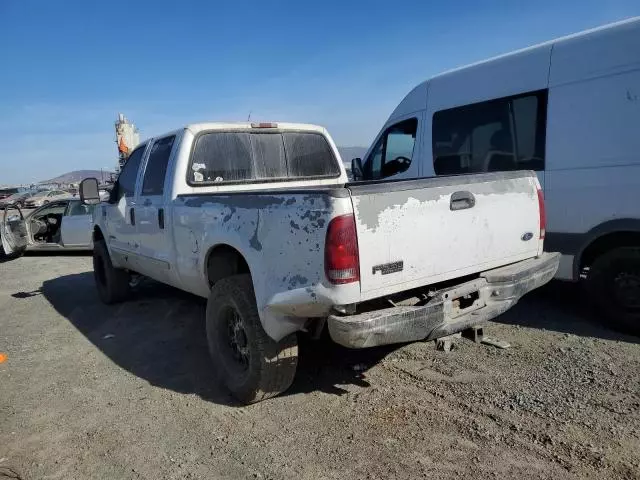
(388, 268)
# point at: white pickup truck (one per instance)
(260, 219)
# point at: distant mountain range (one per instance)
(79, 175)
(347, 153)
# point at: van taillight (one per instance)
(341, 262)
(543, 214)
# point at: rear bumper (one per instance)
(497, 291)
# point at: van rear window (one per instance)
(232, 157)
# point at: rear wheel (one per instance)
(112, 283)
(614, 283)
(247, 361)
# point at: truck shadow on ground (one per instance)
(159, 336)
(46, 253)
(562, 307)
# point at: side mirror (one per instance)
(89, 191)
(356, 169)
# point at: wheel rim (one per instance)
(236, 339)
(626, 289)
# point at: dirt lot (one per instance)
(125, 392)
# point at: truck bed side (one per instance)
(281, 236)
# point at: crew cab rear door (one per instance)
(419, 232)
(153, 229)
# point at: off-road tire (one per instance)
(271, 365)
(112, 283)
(601, 284)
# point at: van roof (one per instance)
(583, 33)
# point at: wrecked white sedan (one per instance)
(62, 224)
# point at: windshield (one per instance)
(41, 194)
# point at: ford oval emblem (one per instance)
(526, 236)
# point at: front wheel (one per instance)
(614, 283)
(112, 283)
(246, 360)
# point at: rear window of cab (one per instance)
(238, 157)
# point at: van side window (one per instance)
(393, 152)
(497, 135)
(126, 185)
(156, 169)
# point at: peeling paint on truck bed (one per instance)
(280, 236)
(418, 227)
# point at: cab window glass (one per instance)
(79, 208)
(156, 169)
(129, 173)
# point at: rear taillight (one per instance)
(543, 214)
(341, 262)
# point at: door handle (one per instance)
(461, 200)
(132, 216)
(161, 218)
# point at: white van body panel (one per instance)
(593, 153)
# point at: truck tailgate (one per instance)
(419, 232)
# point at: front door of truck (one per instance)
(153, 226)
(121, 212)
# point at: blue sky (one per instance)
(68, 67)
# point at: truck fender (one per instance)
(275, 325)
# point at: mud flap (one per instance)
(13, 232)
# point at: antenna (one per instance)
(249, 117)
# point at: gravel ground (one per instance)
(89, 391)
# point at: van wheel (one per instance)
(246, 360)
(614, 283)
(112, 283)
